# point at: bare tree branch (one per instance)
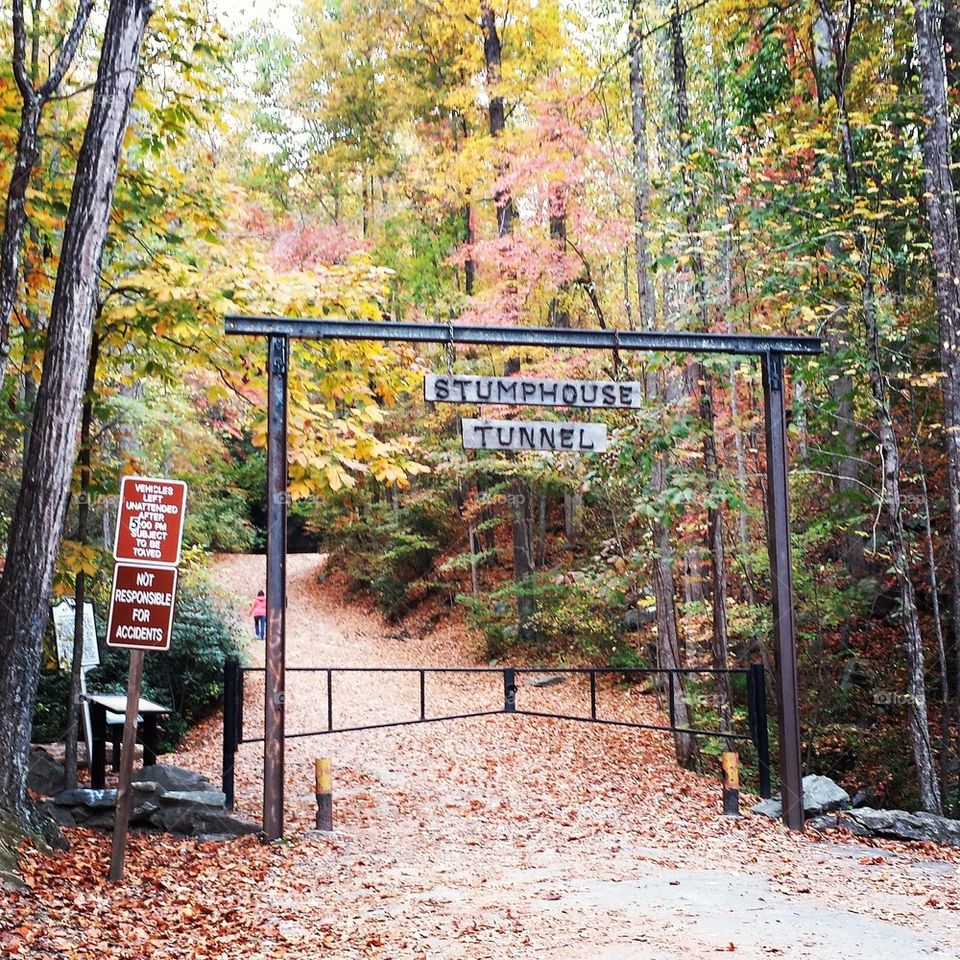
(67, 49)
(20, 53)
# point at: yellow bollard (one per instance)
(324, 791)
(730, 765)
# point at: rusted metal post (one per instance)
(121, 817)
(273, 701)
(324, 791)
(781, 590)
(730, 767)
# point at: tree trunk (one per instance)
(79, 591)
(641, 182)
(664, 586)
(497, 116)
(28, 149)
(941, 201)
(701, 378)
(469, 266)
(558, 313)
(41, 504)
(917, 721)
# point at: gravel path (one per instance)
(515, 837)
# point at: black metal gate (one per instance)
(756, 704)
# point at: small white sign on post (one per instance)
(64, 619)
(536, 435)
(525, 391)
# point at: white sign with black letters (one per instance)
(534, 435)
(510, 391)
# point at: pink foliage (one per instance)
(301, 247)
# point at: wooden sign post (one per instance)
(147, 551)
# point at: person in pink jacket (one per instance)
(259, 613)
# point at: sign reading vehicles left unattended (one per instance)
(150, 521)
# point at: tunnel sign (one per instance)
(533, 435)
(150, 521)
(141, 607)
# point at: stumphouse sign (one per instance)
(525, 391)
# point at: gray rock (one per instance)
(820, 795)
(830, 821)
(60, 815)
(195, 798)
(863, 798)
(200, 821)
(553, 681)
(771, 808)
(141, 813)
(168, 778)
(635, 618)
(900, 825)
(45, 777)
(90, 799)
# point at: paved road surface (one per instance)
(509, 837)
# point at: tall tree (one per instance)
(839, 31)
(941, 200)
(668, 638)
(39, 513)
(34, 99)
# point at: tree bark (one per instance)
(41, 504)
(917, 721)
(558, 313)
(641, 181)
(492, 49)
(79, 591)
(28, 153)
(941, 201)
(664, 585)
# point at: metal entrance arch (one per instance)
(770, 349)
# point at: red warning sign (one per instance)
(150, 521)
(141, 607)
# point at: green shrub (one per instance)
(389, 548)
(188, 678)
(571, 619)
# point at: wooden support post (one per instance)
(730, 765)
(324, 791)
(275, 652)
(121, 818)
(781, 590)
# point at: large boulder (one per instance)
(900, 825)
(198, 820)
(45, 777)
(170, 778)
(820, 795)
(195, 798)
(164, 797)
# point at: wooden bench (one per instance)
(107, 711)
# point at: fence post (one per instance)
(759, 730)
(509, 690)
(231, 724)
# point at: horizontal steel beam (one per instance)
(677, 342)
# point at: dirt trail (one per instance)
(515, 837)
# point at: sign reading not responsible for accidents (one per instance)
(141, 609)
(150, 521)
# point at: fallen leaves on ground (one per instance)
(489, 837)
